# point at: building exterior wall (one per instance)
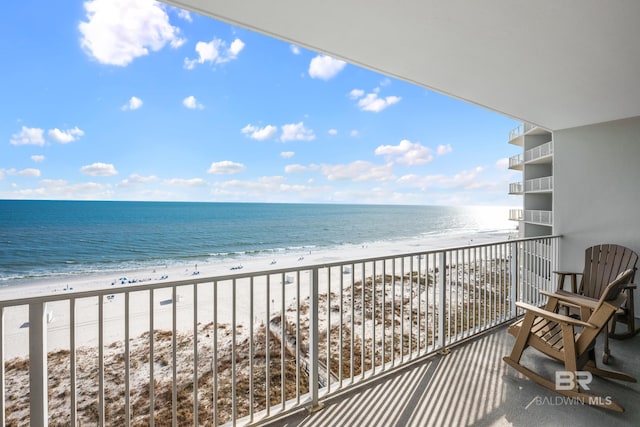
(597, 189)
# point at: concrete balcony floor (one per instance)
(472, 386)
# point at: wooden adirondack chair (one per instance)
(602, 263)
(568, 339)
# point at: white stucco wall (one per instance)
(597, 189)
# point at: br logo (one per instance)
(567, 380)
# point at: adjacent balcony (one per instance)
(539, 185)
(516, 133)
(516, 162)
(540, 154)
(516, 214)
(248, 348)
(540, 217)
(516, 188)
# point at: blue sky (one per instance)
(135, 100)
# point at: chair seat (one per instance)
(548, 331)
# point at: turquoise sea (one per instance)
(52, 238)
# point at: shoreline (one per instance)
(266, 298)
(220, 321)
(78, 281)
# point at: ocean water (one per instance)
(53, 238)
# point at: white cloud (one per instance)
(29, 172)
(225, 167)
(267, 188)
(53, 182)
(296, 132)
(184, 14)
(406, 152)
(354, 133)
(294, 49)
(467, 180)
(324, 67)
(359, 170)
(295, 168)
(356, 93)
(214, 52)
(118, 31)
(37, 158)
(260, 134)
(183, 182)
(191, 103)
(133, 104)
(135, 179)
(444, 149)
(61, 190)
(99, 169)
(65, 136)
(28, 136)
(371, 102)
(236, 47)
(333, 132)
(287, 154)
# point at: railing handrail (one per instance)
(135, 287)
(539, 152)
(544, 183)
(438, 298)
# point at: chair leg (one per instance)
(606, 353)
(627, 317)
(522, 338)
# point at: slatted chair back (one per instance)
(608, 303)
(602, 263)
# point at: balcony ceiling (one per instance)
(556, 64)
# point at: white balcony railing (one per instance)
(242, 348)
(539, 184)
(516, 215)
(538, 217)
(520, 130)
(516, 161)
(514, 133)
(539, 152)
(516, 188)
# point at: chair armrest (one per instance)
(568, 273)
(571, 298)
(574, 279)
(556, 317)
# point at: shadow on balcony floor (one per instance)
(472, 386)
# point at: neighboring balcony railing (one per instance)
(539, 184)
(538, 217)
(539, 152)
(516, 188)
(520, 130)
(516, 162)
(244, 347)
(516, 215)
(514, 133)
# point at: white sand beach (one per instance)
(16, 318)
(215, 317)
